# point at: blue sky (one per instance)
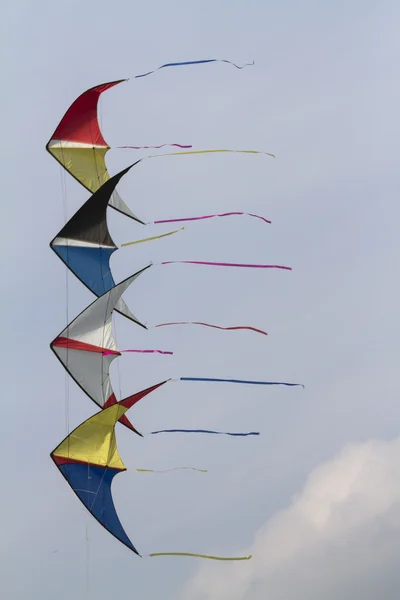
(323, 97)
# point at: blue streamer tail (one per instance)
(241, 381)
(195, 62)
(205, 431)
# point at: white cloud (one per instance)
(340, 537)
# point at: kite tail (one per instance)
(205, 431)
(243, 381)
(223, 264)
(210, 557)
(155, 237)
(233, 328)
(154, 147)
(195, 62)
(218, 150)
(139, 351)
(175, 469)
(228, 214)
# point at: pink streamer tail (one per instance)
(223, 264)
(162, 146)
(214, 326)
(140, 351)
(228, 214)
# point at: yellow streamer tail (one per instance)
(155, 237)
(200, 556)
(212, 151)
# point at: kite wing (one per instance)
(89, 460)
(86, 347)
(84, 244)
(78, 144)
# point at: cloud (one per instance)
(339, 538)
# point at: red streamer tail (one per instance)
(223, 264)
(228, 214)
(139, 352)
(154, 147)
(236, 327)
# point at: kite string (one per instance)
(118, 367)
(65, 211)
(87, 556)
(108, 300)
(103, 379)
(98, 488)
(67, 408)
(103, 277)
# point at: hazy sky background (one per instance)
(316, 497)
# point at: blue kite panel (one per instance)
(92, 484)
(90, 265)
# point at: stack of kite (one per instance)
(88, 457)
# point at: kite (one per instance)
(86, 347)
(88, 458)
(78, 143)
(85, 246)
(79, 147)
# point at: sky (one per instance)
(315, 498)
